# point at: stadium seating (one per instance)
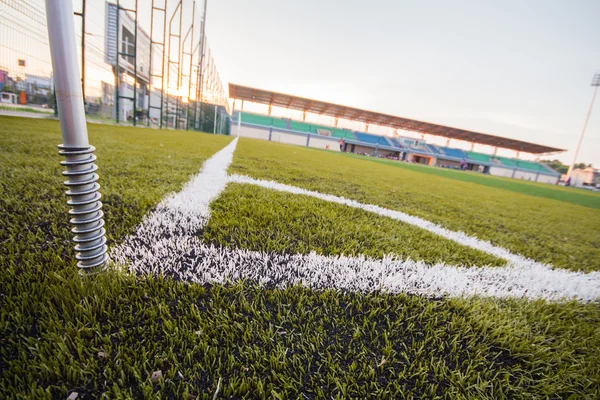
(479, 157)
(434, 149)
(531, 165)
(373, 139)
(279, 123)
(396, 143)
(300, 127)
(507, 162)
(257, 119)
(450, 152)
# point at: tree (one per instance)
(556, 165)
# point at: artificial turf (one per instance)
(573, 195)
(259, 219)
(103, 336)
(561, 233)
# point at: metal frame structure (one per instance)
(134, 56)
(271, 99)
(199, 112)
(178, 8)
(190, 54)
(162, 67)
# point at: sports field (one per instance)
(252, 269)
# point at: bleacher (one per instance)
(296, 126)
(300, 127)
(478, 157)
(508, 162)
(256, 119)
(423, 149)
(396, 143)
(377, 140)
(434, 149)
(450, 152)
(372, 139)
(533, 166)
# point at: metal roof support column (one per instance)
(215, 121)
(336, 121)
(270, 108)
(448, 142)
(303, 116)
(366, 127)
(472, 146)
(495, 150)
(242, 109)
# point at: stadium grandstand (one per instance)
(408, 149)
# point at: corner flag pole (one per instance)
(82, 180)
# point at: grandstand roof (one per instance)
(371, 117)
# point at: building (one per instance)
(303, 133)
(585, 177)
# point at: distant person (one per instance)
(342, 144)
(463, 164)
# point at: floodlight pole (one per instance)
(595, 83)
(86, 208)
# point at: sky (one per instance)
(518, 69)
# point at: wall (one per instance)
(320, 143)
(498, 171)
(524, 175)
(251, 132)
(289, 138)
(256, 132)
(547, 179)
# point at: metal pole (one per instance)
(162, 79)
(201, 68)
(187, 121)
(596, 83)
(215, 122)
(135, 81)
(117, 72)
(86, 211)
(239, 122)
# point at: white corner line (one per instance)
(168, 243)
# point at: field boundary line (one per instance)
(168, 243)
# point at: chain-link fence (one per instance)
(160, 74)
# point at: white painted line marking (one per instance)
(458, 237)
(167, 242)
